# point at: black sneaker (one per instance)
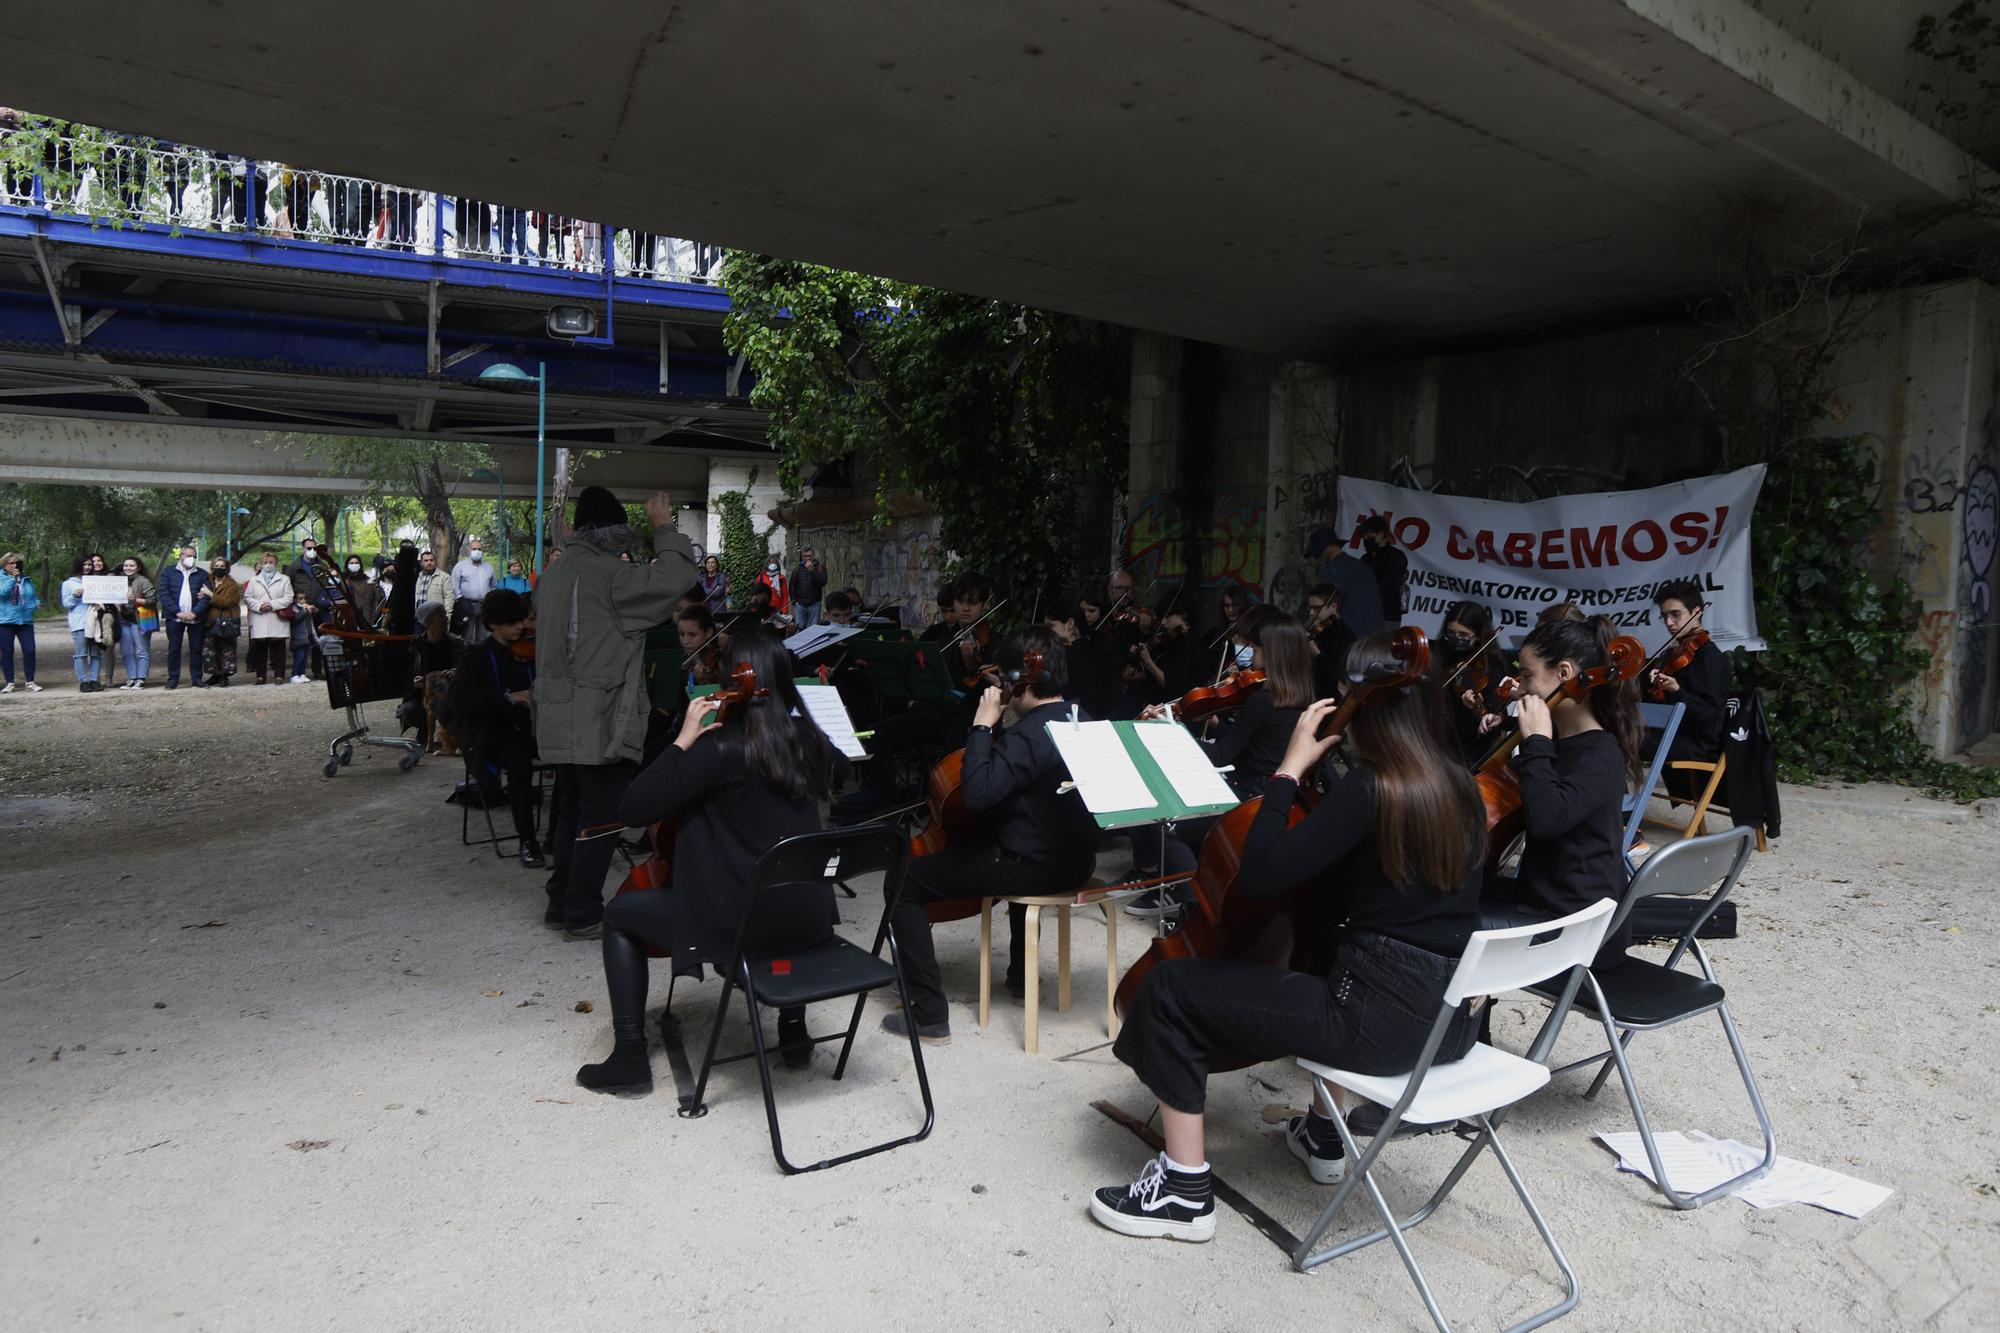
(1325, 1162)
(1161, 1202)
(930, 1034)
(531, 855)
(592, 931)
(552, 917)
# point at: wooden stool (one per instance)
(1093, 893)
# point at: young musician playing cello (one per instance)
(1395, 847)
(736, 789)
(1572, 765)
(1702, 685)
(1042, 841)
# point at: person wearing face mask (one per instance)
(774, 578)
(268, 593)
(225, 622)
(471, 580)
(184, 602)
(304, 575)
(135, 621)
(18, 604)
(362, 594)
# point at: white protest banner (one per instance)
(1606, 552)
(106, 589)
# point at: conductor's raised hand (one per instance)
(660, 509)
(698, 711)
(1306, 747)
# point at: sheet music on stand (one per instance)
(811, 640)
(824, 707)
(1128, 777)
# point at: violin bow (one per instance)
(1693, 623)
(952, 642)
(1472, 657)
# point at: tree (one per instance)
(54, 523)
(424, 470)
(1009, 421)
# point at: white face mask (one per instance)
(310, 554)
(270, 570)
(478, 556)
(187, 562)
(772, 567)
(354, 569)
(1245, 655)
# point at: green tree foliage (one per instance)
(744, 549)
(998, 415)
(422, 470)
(53, 524)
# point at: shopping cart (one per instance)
(362, 669)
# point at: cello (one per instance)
(950, 822)
(658, 869)
(1227, 924)
(1499, 789)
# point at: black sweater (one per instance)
(1254, 738)
(1704, 689)
(482, 710)
(1014, 776)
(1571, 791)
(1335, 847)
(728, 817)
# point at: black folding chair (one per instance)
(1640, 995)
(829, 971)
(540, 774)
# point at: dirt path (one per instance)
(281, 1053)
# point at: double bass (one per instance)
(1499, 789)
(1226, 924)
(656, 870)
(944, 797)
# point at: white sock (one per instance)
(1172, 1165)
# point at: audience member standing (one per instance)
(184, 598)
(361, 594)
(1360, 596)
(433, 584)
(18, 604)
(515, 579)
(83, 657)
(135, 623)
(1389, 565)
(305, 575)
(471, 580)
(714, 586)
(101, 632)
(591, 702)
(225, 621)
(808, 584)
(267, 594)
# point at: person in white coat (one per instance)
(266, 594)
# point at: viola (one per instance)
(1277, 931)
(1205, 701)
(1677, 660)
(1499, 789)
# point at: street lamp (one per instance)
(502, 372)
(229, 513)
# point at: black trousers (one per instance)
(955, 874)
(586, 829)
(1370, 1014)
(511, 756)
(632, 922)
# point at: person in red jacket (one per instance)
(774, 578)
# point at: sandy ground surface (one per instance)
(280, 1053)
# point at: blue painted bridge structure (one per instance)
(161, 281)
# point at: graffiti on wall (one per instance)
(1978, 516)
(899, 563)
(1229, 554)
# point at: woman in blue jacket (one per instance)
(83, 650)
(18, 604)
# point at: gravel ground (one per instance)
(285, 1055)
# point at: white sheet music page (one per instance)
(823, 706)
(1195, 778)
(1104, 773)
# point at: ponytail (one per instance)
(1586, 644)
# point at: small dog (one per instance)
(438, 736)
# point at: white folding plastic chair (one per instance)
(1471, 1089)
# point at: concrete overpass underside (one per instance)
(1302, 179)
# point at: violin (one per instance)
(1205, 701)
(523, 648)
(657, 870)
(944, 798)
(1677, 660)
(1280, 931)
(1499, 789)
(1475, 668)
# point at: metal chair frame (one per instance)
(812, 858)
(1665, 719)
(1494, 961)
(1680, 869)
(540, 774)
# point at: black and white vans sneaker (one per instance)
(1325, 1160)
(1176, 1204)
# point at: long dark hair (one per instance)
(788, 752)
(1430, 824)
(1478, 620)
(136, 561)
(1585, 644)
(1287, 653)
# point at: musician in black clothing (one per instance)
(1702, 685)
(1173, 659)
(489, 700)
(917, 730)
(946, 624)
(1041, 841)
(1573, 762)
(1091, 680)
(1392, 854)
(734, 790)
(1331, 639)
(1475, 713)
